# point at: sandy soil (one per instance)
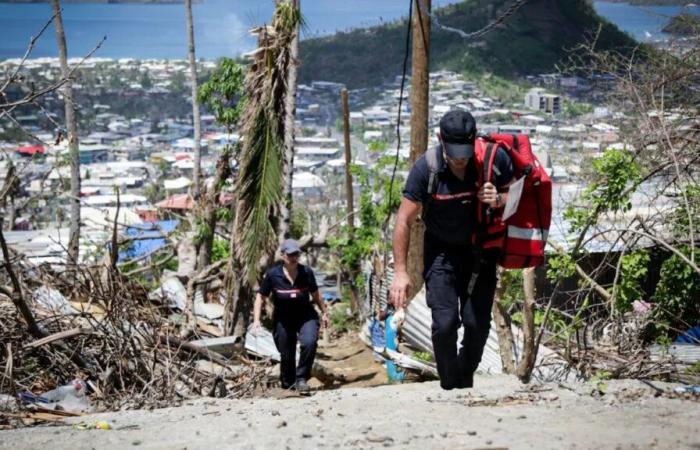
(498, 413)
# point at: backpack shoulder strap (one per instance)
(434, 159)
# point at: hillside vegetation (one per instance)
(533, 40)
(683, 24)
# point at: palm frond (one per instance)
(260, 180)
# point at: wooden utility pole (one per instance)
(72, 129)
(420, 95)
(348, 160)
(420, 78)
(354, 304)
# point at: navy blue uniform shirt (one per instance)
(451, 215)
(289, 297)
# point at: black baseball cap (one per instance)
(458, 134)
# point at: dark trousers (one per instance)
(447, 273)
(288, 329)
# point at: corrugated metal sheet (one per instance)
(262, 344)
(685, 353)
(416, 331)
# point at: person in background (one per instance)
(292, 286)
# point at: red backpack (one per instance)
(523, 236)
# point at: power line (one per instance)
(398, 120)
(475, 34)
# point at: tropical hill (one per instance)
(683, 24)
(533, 40)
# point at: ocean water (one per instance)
(644, 23)
(221, 26)
(158, 31)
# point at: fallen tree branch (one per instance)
(184, 346)
(59, 336)
(16, 293)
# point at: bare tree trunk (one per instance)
(196, 123)
(420, 92)
(72, 129)
(290, 112)
(10, 189)
(239, 305)
(502, 323)
(211, 205)
(527, 363)
(16, 293)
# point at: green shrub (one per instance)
(677, 297)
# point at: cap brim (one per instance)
(459, 151)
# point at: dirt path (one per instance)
(350, 363)
(498, 413)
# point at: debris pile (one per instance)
(102, 332)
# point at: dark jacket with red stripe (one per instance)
(451, 211)
(289, 297)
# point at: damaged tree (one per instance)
(642, 205)
(260, 182)
(196, 122)
(72, 136)
(223, 95)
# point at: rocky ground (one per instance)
(499, 413)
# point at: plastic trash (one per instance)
(7, 403)
(391, 327)
(76, 388)
(172, 293)
(375, 331)
(72, 397)
(96, 425)
(690, 389)
(52, 300)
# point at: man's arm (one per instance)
(408, 211)
(488, 193)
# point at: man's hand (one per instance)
(255, 328)
(400, 288)
(488, 194)
(325, 321)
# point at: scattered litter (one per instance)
(8, 403)
(52, 300)
(222, 345)
(210, 311)
(261, 344)
(96, 425)
(691, 389)
(172, 293)
(71, 398)
(407, 362)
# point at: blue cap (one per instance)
(290, 246)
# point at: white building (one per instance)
(539, 100)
